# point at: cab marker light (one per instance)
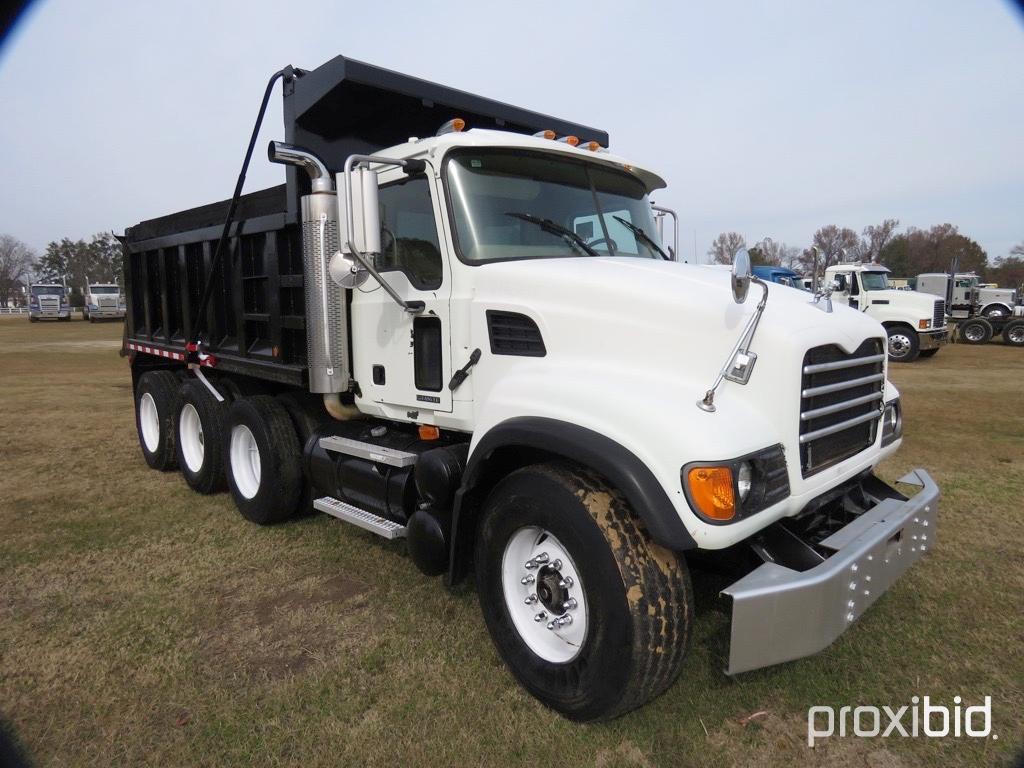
(572, 141)
(455, 125)
(544, 135)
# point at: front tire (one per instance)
(926, 353)
(157, 402)
(199, 446)
(903, 344)
(263, 460)
(629, 601)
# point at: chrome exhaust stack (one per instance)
(327, 351)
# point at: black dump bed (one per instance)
(255, 321)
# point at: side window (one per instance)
(409, 233)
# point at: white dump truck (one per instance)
(48, 301)
(455, 325)
(103, 301)
(915, 324)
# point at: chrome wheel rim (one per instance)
(246, 468)
(899, 345)
(974, 332)
(544, 595)
(149, 422)
(190, 435)
(1016, 334)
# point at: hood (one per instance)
(641, 314)
(922, 303)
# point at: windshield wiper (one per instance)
(570, 237)
(642, 236)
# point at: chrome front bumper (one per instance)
(779, 614)
(932, 339)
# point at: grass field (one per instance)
(141, 624)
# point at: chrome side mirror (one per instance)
(740, 275)
(346, 272)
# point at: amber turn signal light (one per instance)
(711, 489)
(429, 432)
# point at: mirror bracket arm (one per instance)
(740, 350)
(414, 166)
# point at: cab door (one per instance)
(401, 360)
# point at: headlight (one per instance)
(892, 422)
(744, 480)
(724, 491)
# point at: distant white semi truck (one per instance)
(48, 301)
(103, 301)
(978, 313)
(915, 324)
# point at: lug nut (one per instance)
(569, 604)
(540, 616)
(528, 579)
(566, 582)
(565, 620)
(530, 599)
(556, 565)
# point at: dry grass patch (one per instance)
(141, 624)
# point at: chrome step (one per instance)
(360, 517)
(377, 453)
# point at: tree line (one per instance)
(74, 262)
(907, 254)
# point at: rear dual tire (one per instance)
(1013, 333)
(199, 444)
(263, 459)
(976, 331)
(157, 403)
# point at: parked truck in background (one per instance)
(455, 324)
(780, 275)
(914, 324)
(48, 301)
(103, 301)
(979, 313)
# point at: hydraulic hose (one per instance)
(200, 314)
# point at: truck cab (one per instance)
(103, 301)
(48, 301)
(915, 325)
(780, 275)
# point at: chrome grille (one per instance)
(939, 320)
(49, 303)
(840, 403)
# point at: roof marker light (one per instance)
(593, 146)
(455, 125)
(545, 135)
(572, 141)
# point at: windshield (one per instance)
(874, 281)
(104, 289)
(792, 282)
(520, 205)
(47, 290)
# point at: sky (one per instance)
(766, 118)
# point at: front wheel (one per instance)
(591, 616)
(904, 346)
